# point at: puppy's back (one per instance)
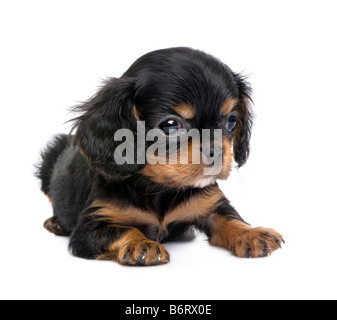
(48, 160)
(66, 180)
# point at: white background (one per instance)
(54, 54)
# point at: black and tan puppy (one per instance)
(124, 212)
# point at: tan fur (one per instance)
(115, 214)
(49, 198)
(243, 240)
(225, 231)
(177, 175)
(193, 209)
(227, 159)
(187, 111)
(190, 174)
(197, 208)
(135, 113)
(139, 247)
(54, 227)
(228, 106)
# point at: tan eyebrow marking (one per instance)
(185, 110)
(135, 113)
(228, 106)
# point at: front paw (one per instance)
(144, 253)
(256, 242)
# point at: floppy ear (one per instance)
(109, 110)
(243, 129)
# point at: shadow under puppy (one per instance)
(124, 212)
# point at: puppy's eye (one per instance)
(170, 124)
(231, 122)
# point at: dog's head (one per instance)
(172, 90)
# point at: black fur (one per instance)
(79, 170)
(48, 159)
(243, 132)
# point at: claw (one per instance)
(274, 239)
(248, 252)
(127, 255)
(277, 241)
(265, 251)
(142, 256)
(158, 260)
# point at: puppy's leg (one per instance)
(227, 229)
(53, 226)
(133, 248)
(97, 238)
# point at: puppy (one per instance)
(125, 211)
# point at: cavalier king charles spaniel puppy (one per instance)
(121, 210)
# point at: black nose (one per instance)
(212, 152)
